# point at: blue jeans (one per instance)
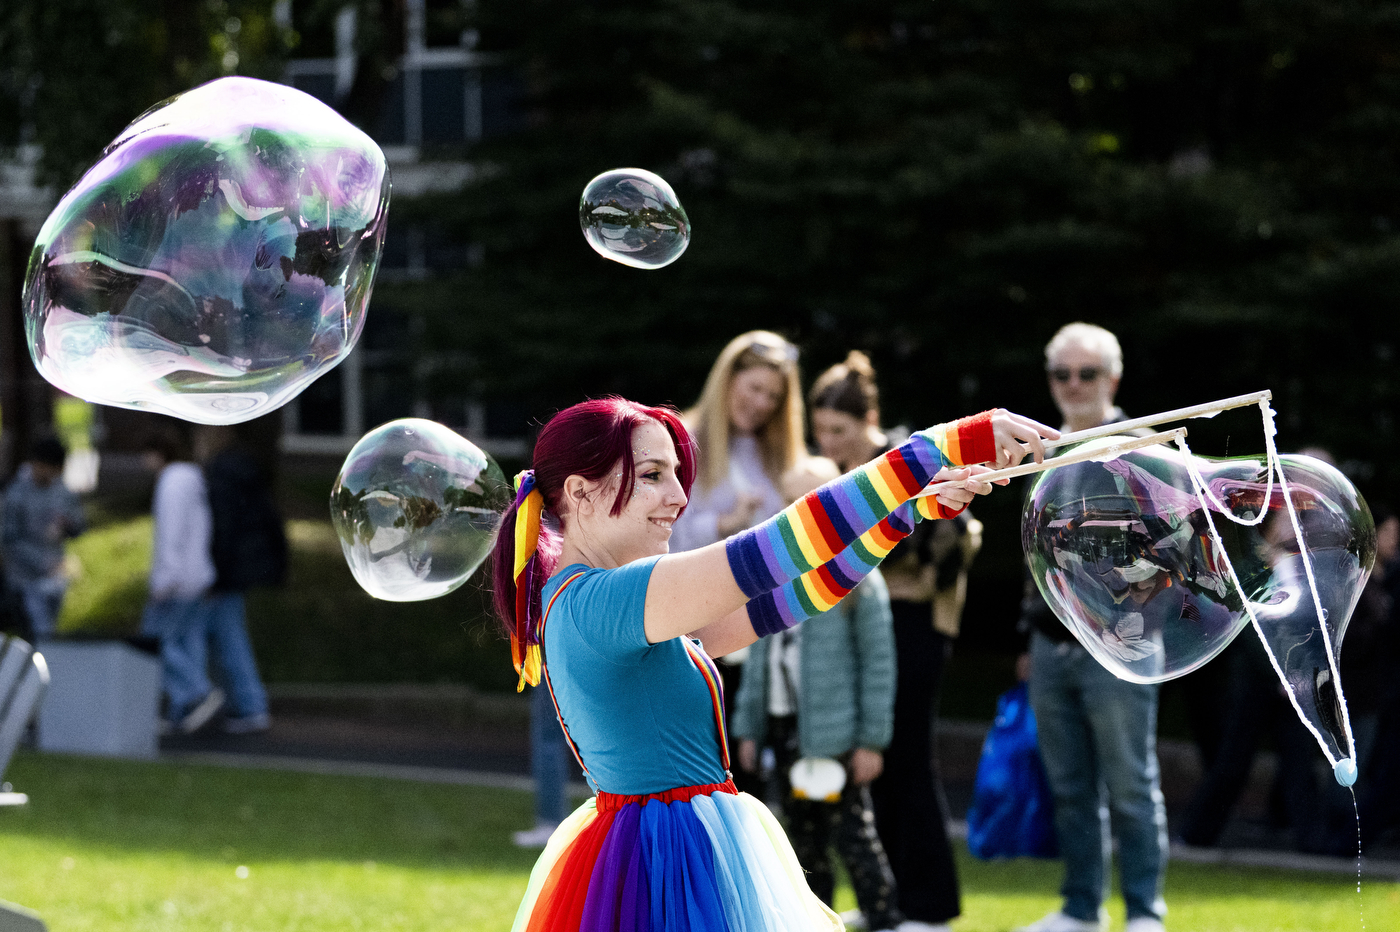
(1098, 739)
(233, 654)
(180, 625)
(42, 599)
(549, 761)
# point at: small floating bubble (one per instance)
(632, 216)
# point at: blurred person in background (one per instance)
(249, 549)
(824, 689)
(549, 768)
(182, 572)
(1256, 708)
(1377, 729)
(40, 515)
(1379, 784)
(748, 425)
(1098, 734)
(926, 575)
(1369, 655)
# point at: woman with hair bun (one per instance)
(927, 578)
(621, 634)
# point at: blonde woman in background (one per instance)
(926, 574)
(748, 425)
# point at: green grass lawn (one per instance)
(108, 845)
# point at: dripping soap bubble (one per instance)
(416, 507)
(1124, 553)
(632, 216)
(217, 258)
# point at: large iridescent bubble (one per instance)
(632, 216)
(1123, 554)
(416, 507)
(215, 260)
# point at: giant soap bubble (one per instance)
(216, 260)
(1124, 555)
(416, 507)
(632, 216)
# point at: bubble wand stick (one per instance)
(1208, 409)
(1100, 453)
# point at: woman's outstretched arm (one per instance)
(688, 592)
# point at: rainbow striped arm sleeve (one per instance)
(819, 590)
(817, 528)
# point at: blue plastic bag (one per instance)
(1012, 812)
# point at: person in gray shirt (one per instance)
(40, 515)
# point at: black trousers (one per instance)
(848, 825)
(1253, 708)
(910, 812)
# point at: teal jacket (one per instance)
(846, 691)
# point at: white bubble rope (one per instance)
(1206, 498)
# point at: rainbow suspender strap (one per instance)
(704, 664)
(710, 672)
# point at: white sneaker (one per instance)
(854, 920)
(247, 724)
(1145, 924)
(203, 712)
(914, 925)
(536, 837)
(1059, 922)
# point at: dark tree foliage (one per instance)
(74, 73)
(944, 185)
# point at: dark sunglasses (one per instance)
(1062, 374)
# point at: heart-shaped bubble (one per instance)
(217, 258)
(416, 507)
(1123, 553)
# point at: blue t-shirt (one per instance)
(640, 714)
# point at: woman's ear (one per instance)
(872, 417)
(575, 498)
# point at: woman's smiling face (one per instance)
(643, 528)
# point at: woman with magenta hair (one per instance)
(622, 633)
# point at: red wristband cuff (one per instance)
(976, 442)
(943, 511)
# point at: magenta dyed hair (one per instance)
(587, 440)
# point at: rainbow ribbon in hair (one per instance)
(529, 507)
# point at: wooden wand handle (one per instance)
(1101, 452)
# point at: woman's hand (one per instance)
(865, 765)
(748, 755)
(958, 487)
(1015, 436)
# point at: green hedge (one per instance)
(319, 627)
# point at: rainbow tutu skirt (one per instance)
(692, 859)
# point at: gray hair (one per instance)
(1093, 338)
